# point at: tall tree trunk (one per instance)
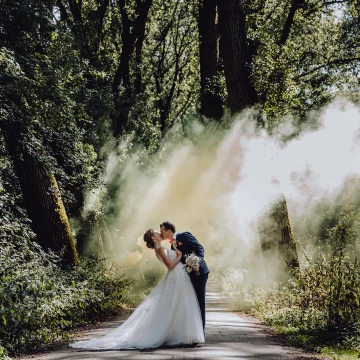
(133, 35)
(211, 103)
(277, 237)
(235, 55)
(122, 75)
(43, 203)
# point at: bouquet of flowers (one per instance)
(192, 262)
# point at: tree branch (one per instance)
(182, 109)
(75, 11)
(100, 15)
(63, 13)
(335, 2)
(334, 62)
(295, 5)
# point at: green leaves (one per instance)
(313, 65)
(40, 302)
(324, 296)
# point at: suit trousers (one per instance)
(199, 283)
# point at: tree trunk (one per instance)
(211, 103)
(43, 203)
(133, 35)
(287, 243)
(235, 55)
(277, 238)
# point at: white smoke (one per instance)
(216, 187)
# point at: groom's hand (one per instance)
(178, 252)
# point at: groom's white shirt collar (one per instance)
(174, 236)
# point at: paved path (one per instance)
(228, 336)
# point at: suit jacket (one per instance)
(189, 245)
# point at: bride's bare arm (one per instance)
(168, 263)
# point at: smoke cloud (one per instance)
(216, 183)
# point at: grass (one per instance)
(321, 342)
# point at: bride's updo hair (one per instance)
(148, 238)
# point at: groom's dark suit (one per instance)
(190, 244)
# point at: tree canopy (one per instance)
(77, 76)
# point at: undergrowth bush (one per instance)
(323, 297)
(319, 307)
(40, 301)
(3, 354)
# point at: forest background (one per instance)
(86, 84)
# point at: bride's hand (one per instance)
(178, 252)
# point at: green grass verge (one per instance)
(321, 342)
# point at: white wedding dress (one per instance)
(169, 316)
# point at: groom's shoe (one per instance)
(191, 345)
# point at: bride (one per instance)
(169, 316)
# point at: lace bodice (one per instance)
(171, 254)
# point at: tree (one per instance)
(23, 98)
(303, 55)
(73, 72)
(236, 55)
(91, 29)
(289, 57)
(277, 237)
(43, 202)
(133, 34)
(210, 99)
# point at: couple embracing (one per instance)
(173, 314)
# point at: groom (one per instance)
(188, 244)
